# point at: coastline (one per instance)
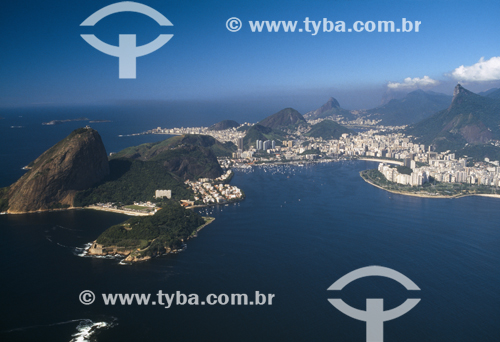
(388, 161)
(118, 211)
(91, 207)
(423, 195)
(133, 255)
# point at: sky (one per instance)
(44, 61)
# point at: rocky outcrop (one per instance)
(75, 163)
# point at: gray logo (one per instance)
(374, 316)
(127, 51)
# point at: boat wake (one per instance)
(86, 330)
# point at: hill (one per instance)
(470, 119)
(137, 172)
(75, 163)
(141, 238)
(285, 119)
(487, 92)
(412, 108)
(494, 94)
(150, 150)
(330, 108)
(327, 129)
(223, 125)
(258, 132)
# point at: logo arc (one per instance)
(126, 6)
(374, 316)
(127, 51)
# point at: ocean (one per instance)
(299, 229)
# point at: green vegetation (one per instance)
(285, 119)
(4, 199)
(431, 189)
(478, 152)
(405, 170)
(137, 172)
(328, 129)
(58, 206)
(133, 180)
(167, 229)
(258, 132)
(150, 150)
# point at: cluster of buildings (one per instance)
(212, 192)
(445, 168)
(226, 135)
(382, 142)
(392, 175)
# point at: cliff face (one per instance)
(75, 163)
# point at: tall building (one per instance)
(240, 144)
(266, 145)
(258, 144)
(273, 144)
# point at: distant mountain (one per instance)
(75, 163)
(494, 94)
(285, 119)
(223, 125)
(327, 129)
(487, 92)
(412, 108)
(470, 118)
(259, 132)
(330, 108)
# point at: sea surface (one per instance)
(299, 229)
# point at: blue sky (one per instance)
(44, 60)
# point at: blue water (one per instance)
(298, 230)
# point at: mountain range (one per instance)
(413, 107)
(470, 119)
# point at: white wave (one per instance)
(86, 329)
(82, 251)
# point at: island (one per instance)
(141, 238)
(58, 122)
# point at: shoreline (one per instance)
(118, 211)
(423, 195)
(388, 161)
(130, 256)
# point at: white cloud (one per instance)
(488, 70)
(413, 83)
